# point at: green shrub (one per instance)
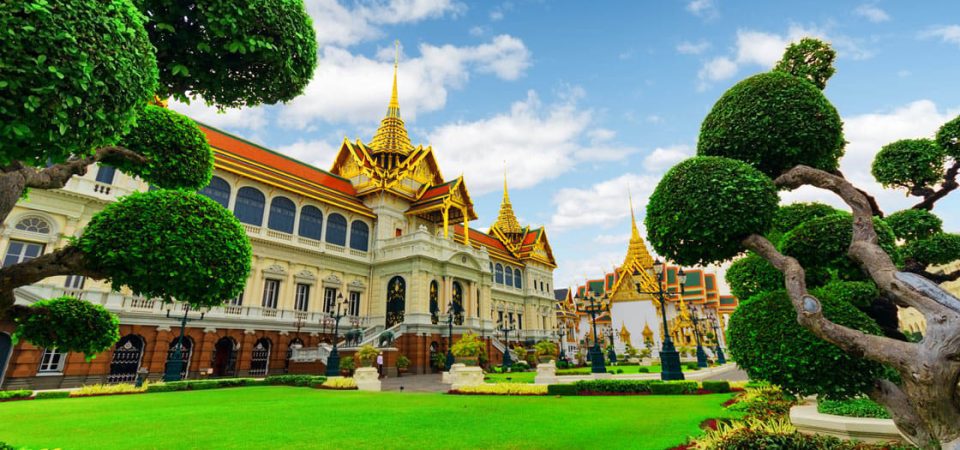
(909, 163)
(20, 393)
(233, 382)
(824, 241)
(52, 394)
(854, 407)
(774, 121)
(167, 387)
(203, 385)
(616, 386)
(913, 224)
(643, 370)
(69, 324)
(939, 248)
(562, 389)
(710, 190)
(295, 380)
(690, 365)
(861, 294)
(674, 388)
(574, 371)
(716, 386)
(948, 137)
(810, 59)
(751, 275)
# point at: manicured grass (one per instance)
(291, 417)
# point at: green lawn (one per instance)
(289, 417)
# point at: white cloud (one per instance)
(702, 8)
(663, 158)
(607, 201)
(949, 33)
(537, 142)
(872, 13)
(758, 48)
(613, 239)
(319, 153)
(339, 25)
(654, 118)
(230, 119)
(477, 31)
(693, 48)
(355, 89)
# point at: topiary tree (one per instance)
(752, 275)
(914, 164)
(774, 121)
(77, 80)
(912, 224)
(810, 59)
(793, 136)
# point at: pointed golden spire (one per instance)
(633, 219)
(392, 136)
(637, 255)
(507, 222)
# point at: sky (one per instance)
(583, 101)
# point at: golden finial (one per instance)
(507, 222)
(391, 136)
(633, 216)
(394, 107)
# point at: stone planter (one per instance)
(546, 373)
(546, 358)
(807, 420)
(463, 375)
(367, 379)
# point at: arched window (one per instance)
(396, 300)
(517, 278)
(34, 225)
(260, 357)
(457, 303)
(491, 272)
(434, 302)
(282, 211)
(337, 230)
(218, 190)
(106, 173)
(311, 222)
(224, 362)
(509, 276)
(249, 207)
(126, 359)
(359, 235)
(499, 274)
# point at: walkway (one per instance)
(414, 383)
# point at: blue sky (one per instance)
(583, 99)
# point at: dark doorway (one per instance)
(225, 358)
(186, 352)
(396, 301)
(126, 359)
(260, 358)
(6, 347)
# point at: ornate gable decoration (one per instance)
(275, 269)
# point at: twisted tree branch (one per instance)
(931, 196)
(901, 409)
(65, 261)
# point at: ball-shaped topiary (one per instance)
(909, 163)
(177, 152)
(790, 216)
(752, 275)
(173, 245)
(69, 325)
(810, 59)
(913, 224)
(948, 137)
(232, 52)
(73, 75)
(768, 343)
(705, 206)
(774, 121)
(940, 248)
(824, 241)
(861, 294)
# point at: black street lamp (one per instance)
(721, 359)
(701, 355)
(506, 343)
(595, 354)
(452, 309)
(611, 352)
(669, 357)
(333, 361)
(561, 332)
(175, 365)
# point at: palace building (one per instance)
(631, 317)
(382, 234)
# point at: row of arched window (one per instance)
(507, 275)
(282, 215)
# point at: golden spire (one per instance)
(637, 251)
(507, 222)
(392, 136)
(647, 332)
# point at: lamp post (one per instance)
(595, 354)
(175, 365)
(611, 352)
(561, 332)
(669, 358)
(701, 355)
(333, 361)
(721, 359)
(451, 310)
(506, 343)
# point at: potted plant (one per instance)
(346, 366)
(439, 361)
(402, 364)
(366, 355)
(468, 349)
(546, 351)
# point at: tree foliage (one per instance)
(860, 294)
(810, 59)
(766, 341)
(823, 241)
(752, 275)
(939, 248)
(69, 325)
(909, 163)
(774, 121)
(948, 137)
(186, 247)
(790, 216)
(73, 74)
(913, 224)
(177, 152)
(705, 206)
(232, 52)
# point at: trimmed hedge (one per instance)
(626, 387)
(46, 395)
(295, 380)
(616, 386)
(197, 385)
(562, 389)
(719, 387)
(674, 388)
(9, 395)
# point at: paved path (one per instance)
(415, 383)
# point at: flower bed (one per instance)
(502, 389)
(95, 390)
(338, 383)
(855, 407)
